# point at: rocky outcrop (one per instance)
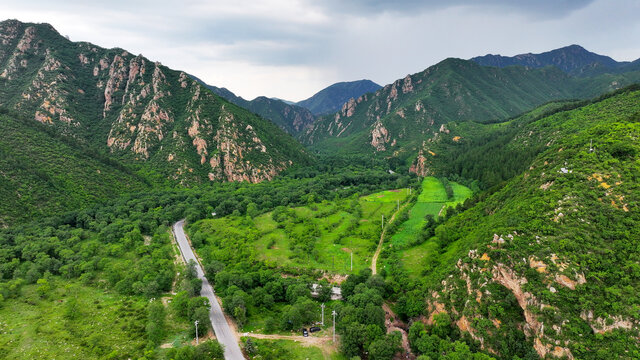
(419, 165)
(379, 136)
(477, 272)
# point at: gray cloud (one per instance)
(538, 8)
(291, 49)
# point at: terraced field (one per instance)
(319, 236)
(432, 201)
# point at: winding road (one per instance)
(224, 333)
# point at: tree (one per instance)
(250, 346)
(209, 350)
(155, 322)
(252, 210)
(71, 310)
(201, 314)
(43, 287)
(384, 348)
(180, 304)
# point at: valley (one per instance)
(477, 209)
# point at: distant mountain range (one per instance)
(332, 98)
(288, 116)
(573, 59)
(295, 117)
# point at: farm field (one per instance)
(319, 236)
(431, 201)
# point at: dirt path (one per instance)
(397, 325)
(374, 260)
(324, 343)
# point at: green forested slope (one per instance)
(330, 99)
(551, 258)
(401, 119)
(42, 173)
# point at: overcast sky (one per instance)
(292, 48)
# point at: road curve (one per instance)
(221, 328)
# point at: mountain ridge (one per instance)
(288, 116)
(332, 98)
(572, 59)
(385, 122)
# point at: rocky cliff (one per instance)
(142, 111)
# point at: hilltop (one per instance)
(332, 98)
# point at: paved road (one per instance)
(221, 328)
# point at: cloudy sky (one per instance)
(292, 48)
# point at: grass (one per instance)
(431, 201)
(333, 230)
(388, 196)
(104, 325)
(289, 349)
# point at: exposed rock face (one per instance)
(141, 110)
(419, 166)
(475, 275)
(379, 137)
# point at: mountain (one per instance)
(289, 117)
(401, 119)
(42, 172)
(572, 59)
(548, 261)
(145, 114)
(331, 99)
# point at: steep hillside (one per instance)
(401, 119)
(331, 99)
(42, 173)
(548, 263)
(289, 117)
(142, 112)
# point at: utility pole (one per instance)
(351, 259)
(398, 205)
(382, 223)
(334, 325)
(322, 306)
(197, 340)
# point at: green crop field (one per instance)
(320, 236)
(388, 196)
(431, 201)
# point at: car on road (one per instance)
(314, 329)
(305, 333)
